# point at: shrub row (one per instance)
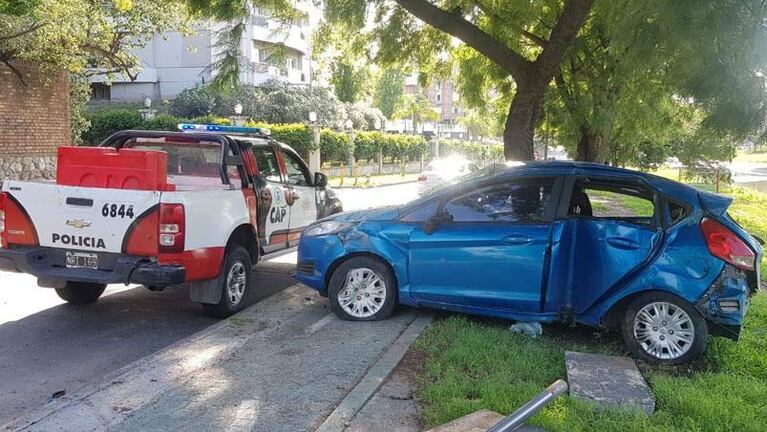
(334, 146)
(472, 150)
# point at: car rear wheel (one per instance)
(362, 289)
(237, 274)
(663, 329)
(81, 292)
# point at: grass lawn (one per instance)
(473, 363)
(751, 157)
(372, 181)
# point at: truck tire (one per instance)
(81, 292)
(237, 277)
(662, 329)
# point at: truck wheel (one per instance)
(362, 289)
(237, 272)
(663, 329)
(81, 292)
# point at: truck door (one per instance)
(272, 214)
(301, 197)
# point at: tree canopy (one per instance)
(85, 37)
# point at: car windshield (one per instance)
(482, 172)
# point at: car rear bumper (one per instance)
(725, 304)
(48, 265)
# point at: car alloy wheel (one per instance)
(236, 282)
(363, 293)
(663, 330)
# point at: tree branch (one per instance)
(31, 29)
(573, 16)
(532, 37)
(5, 58)
(456, 25)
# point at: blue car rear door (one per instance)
(609, 230)
(494, 253)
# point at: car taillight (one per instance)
(172, 227)
(422, 177)
(724, 244)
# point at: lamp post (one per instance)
(147, 113)
(238, 119)
(378, 125)
(349, 126)
(315, 157)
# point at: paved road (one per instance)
(47, 346)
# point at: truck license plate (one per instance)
(82, 260)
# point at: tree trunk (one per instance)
(524, 116)
(590, 146)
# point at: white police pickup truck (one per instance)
(197, 207)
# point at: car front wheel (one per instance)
(362, 289)
(662, 329)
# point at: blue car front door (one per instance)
(493, 255)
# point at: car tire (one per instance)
(81, 293)
(237, 273)
(362, 289)
(662, 329)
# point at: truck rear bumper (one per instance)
(48, 265)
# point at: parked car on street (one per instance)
(162, 208)
(548, 241)
(442, 171)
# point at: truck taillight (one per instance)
(724, 244)
(172, 227)
(17, 228)
(422, 177)
(3, 205)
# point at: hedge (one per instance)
(473, 150)
(334, 146)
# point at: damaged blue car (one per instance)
(548, 241)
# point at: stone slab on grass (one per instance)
(610, 381)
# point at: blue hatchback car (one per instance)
(548, 241)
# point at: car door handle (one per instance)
(517, 239)
(622, 243)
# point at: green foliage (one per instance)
(162, 122)
(79, 95)
(105, 123)
(349, 80)
(472, 150)
(194, 102)
(416, 108)
(334, 146)
(85, 36)
(388, 92)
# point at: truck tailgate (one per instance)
(81, 218)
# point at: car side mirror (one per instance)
(436, 220)
(320, 180)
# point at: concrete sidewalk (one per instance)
(281, 365)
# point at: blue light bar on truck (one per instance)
(190, 127)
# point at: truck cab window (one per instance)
(298, 175)
(267, 163)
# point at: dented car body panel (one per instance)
(550, 250)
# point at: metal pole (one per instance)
(519, 417)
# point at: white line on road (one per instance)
(245, 416)
(320, 324)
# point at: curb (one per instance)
(374, 187)
(356, 399)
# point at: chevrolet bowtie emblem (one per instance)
(78, 223)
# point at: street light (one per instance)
(238, 108)
(312, 117)
(348, 124)
(147, 102)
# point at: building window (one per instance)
(439, 98)
(101, 91)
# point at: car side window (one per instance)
(612, 200)
(267, 164)
(519, 200)
(297, 173)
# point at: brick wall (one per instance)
(34, 120)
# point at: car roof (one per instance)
(558, 168)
